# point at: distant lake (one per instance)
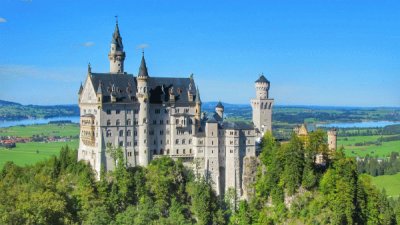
(73, 119)
(359, 124)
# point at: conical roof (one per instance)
(219, 105)
(99, 90)
(262, 79)
(143, 68)
(80, 89)
(116, 38)
(198, 100)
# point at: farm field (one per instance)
(64, 130)
(32, 152)
(371, 149)
(391, 183)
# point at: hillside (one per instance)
(16, 111)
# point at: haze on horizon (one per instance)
(332, 53)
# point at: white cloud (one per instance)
(142, 46)
(2, 20)
(88, 44)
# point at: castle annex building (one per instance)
(149, 117)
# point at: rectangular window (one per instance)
(157, 111)
(108, 112)
(161, 121)
(117, 111)
(128, 111)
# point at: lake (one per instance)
(11, 123)
(365, 124)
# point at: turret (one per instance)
(80, 93)
(143, 98)
(197, 115)
(262, 107)
(99, 94)
(116, 54)
(262, 87)
(332, 140)
(219, 109)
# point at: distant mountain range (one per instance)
(289, 114)
(6, 103)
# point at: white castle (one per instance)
(149, 117)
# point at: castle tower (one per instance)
(197, 115)
(332, 140)
(262, 106)
(143, 119)
(116, 54)
(219, 109)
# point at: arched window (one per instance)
(190, 141)
(118, 122)
(121, 133)
(108, 122)
(161, 152)
(183, 141)
(128, 133)
(108, 134)
(167, 151)
(128, 122)
(177, 141)
(184, 151)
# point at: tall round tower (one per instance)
(116, 54)
(262, 107)
(262, 87)
(332, 139)
(143, 98)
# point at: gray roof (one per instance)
(124, 84)
(237, 126)
(262, 79)
(217, 117)
(211, 120)
(162, 87)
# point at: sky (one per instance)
(325, 52)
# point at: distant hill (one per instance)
(5, 103)
(16, 111)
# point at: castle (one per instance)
(149, 117)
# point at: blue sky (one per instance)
(326, 52)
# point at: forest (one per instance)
(290, 189)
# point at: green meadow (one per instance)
(391, 184)
(32, 152)
(370, 149)
(63, 130)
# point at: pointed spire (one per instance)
(219, 105)
(143, 68)
(80, 89)
(116, 37)
(198, 100)
(89, 69)
(99, 90)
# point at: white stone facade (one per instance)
(149, 117)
